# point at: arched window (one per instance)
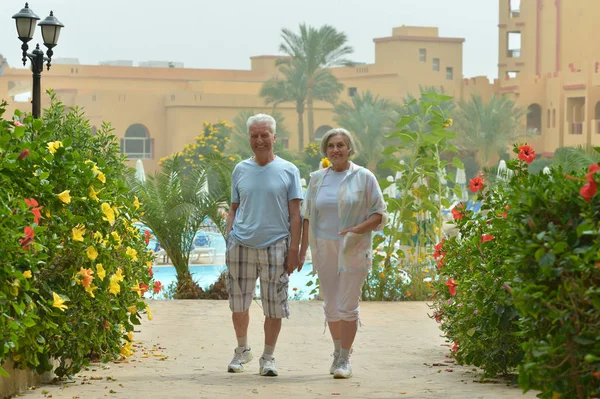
(554, 118)
(137, 143)
(320, 132)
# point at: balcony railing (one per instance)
(515, 13)
(576, 128)
(514, 53)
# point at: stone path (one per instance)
(184, 352)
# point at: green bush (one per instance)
(73, 266)
(475, 312)
(555, 253)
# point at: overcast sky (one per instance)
(223, 34)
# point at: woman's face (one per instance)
(337, 149)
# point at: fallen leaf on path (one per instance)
(157, 354)
(449, 370)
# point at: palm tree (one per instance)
(294, 88)
(239, 144)
(313, 50)
(574, 159)
(175, 207)
(488, 127)
(369, 118)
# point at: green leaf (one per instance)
(309, 283)
(457, 163)
(405, 120)
(4, 373)
(19, 131)
(389, 150)
(471, 331)
(547, 260)
(38, 124)
(582, 340)
(457, 190)
(560, 247)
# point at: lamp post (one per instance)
(26, 21)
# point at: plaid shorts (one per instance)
(245, 265)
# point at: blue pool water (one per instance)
(206, 275)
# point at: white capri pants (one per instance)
(341, 291)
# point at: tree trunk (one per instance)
(309, 105)
(300, 111)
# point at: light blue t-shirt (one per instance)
(263, 192)
(328, 222)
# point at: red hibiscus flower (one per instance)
(157, 287)
(451, 284)
(438, 251)
(24, 154)
(457, 212)
(18, 123)
(526, 153)
(476, 184)
(143, 288)
(455, 347)
(36, 215)
(146, 236)
(486, 238)
(31, 202)
(150, 272)
(589, 190)
(25, 241)
(441, 263)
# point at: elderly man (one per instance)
(263, 238)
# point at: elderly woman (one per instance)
(342, 206)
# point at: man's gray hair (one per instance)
(260, 119)
(338, 131)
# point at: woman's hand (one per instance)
(354, 229)
(302, 259)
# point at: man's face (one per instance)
(261, 138)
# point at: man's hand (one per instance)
(292, 260)
(301, 260)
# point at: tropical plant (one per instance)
(486, 129)
(417, 210)
(74, 268)
(368, 118)
(177, 204)
(313, 50)
(294, 88)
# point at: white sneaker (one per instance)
(268, 367)
(343, 370)
(240, 357)
(336, 358)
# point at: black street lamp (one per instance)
(26, 22)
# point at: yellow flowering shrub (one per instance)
(73, 268)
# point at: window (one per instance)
(320, 132)
(515, 8)
(351, 91)
(514, 44)
(548, 119)
(422, 55)
(512, 74)
(137, 143)
(450, 73)
(436, 64)
(554, 118)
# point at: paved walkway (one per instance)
(184, 352)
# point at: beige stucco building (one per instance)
(546, 62)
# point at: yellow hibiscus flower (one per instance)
(100, 272)
(90, 290)
(132, 309)
(54, 145)
(136, 203)
(101, 177)
(65, 197)
(120, 274)
(59, 302)
(113, 286)
(132, 253)
(92, 254)
(78, 232)
(94, 194)
(27, 274)
(108, 213)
